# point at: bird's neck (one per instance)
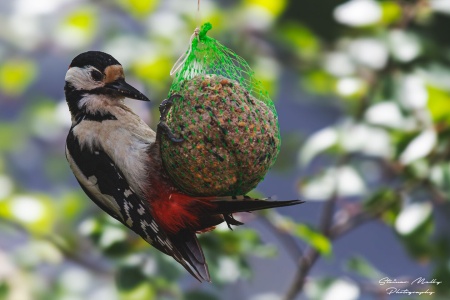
(88, 104)
(73, 98)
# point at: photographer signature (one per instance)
(419, 281)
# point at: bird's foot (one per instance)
(230, 220)
(162, 125)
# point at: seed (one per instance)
(220, 138)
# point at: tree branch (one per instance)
(308, 260)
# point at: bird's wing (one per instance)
(105, 184)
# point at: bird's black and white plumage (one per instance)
(115, 157)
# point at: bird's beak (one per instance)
(120, 88)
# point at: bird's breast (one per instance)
(125, 140)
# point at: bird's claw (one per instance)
(230, 220)
(164, 108)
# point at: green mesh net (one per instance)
(227, 120)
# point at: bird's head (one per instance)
(94, 81)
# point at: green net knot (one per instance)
(202, 38)
(207, 56)
(205, 28)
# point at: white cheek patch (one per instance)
(80, 78)
(96, 103)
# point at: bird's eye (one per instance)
(96, 75)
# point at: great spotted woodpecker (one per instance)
(116, 159)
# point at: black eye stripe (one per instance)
(96, 75)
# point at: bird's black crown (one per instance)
(97, 59)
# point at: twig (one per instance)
(409, 12)
(358, 219)
(305, 264)
(333, 232)
(307, 261)
(285, 238)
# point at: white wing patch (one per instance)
(165, 242)
(127, 205)
(127, 193)
(144, 225)
(154, 226)
(92, 179)
(141, 210)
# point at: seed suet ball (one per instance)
(231, 139)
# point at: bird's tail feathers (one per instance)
(230, 205)
(192, 257)
(186, 248)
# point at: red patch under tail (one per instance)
(175, 211)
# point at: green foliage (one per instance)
(129, 278)
(306, 233)
(272, 7)
(142, 291)
(34, 212)
(16, 76)
(138, 9)
(9, 132)
(386, 201)
(392, 12)
(441, 248)
(313, 237)
(78, 28)
(4, 290)
(300, 38)
(362, 267)
(318, 82)
(438, 104)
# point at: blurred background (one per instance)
(362, 89)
